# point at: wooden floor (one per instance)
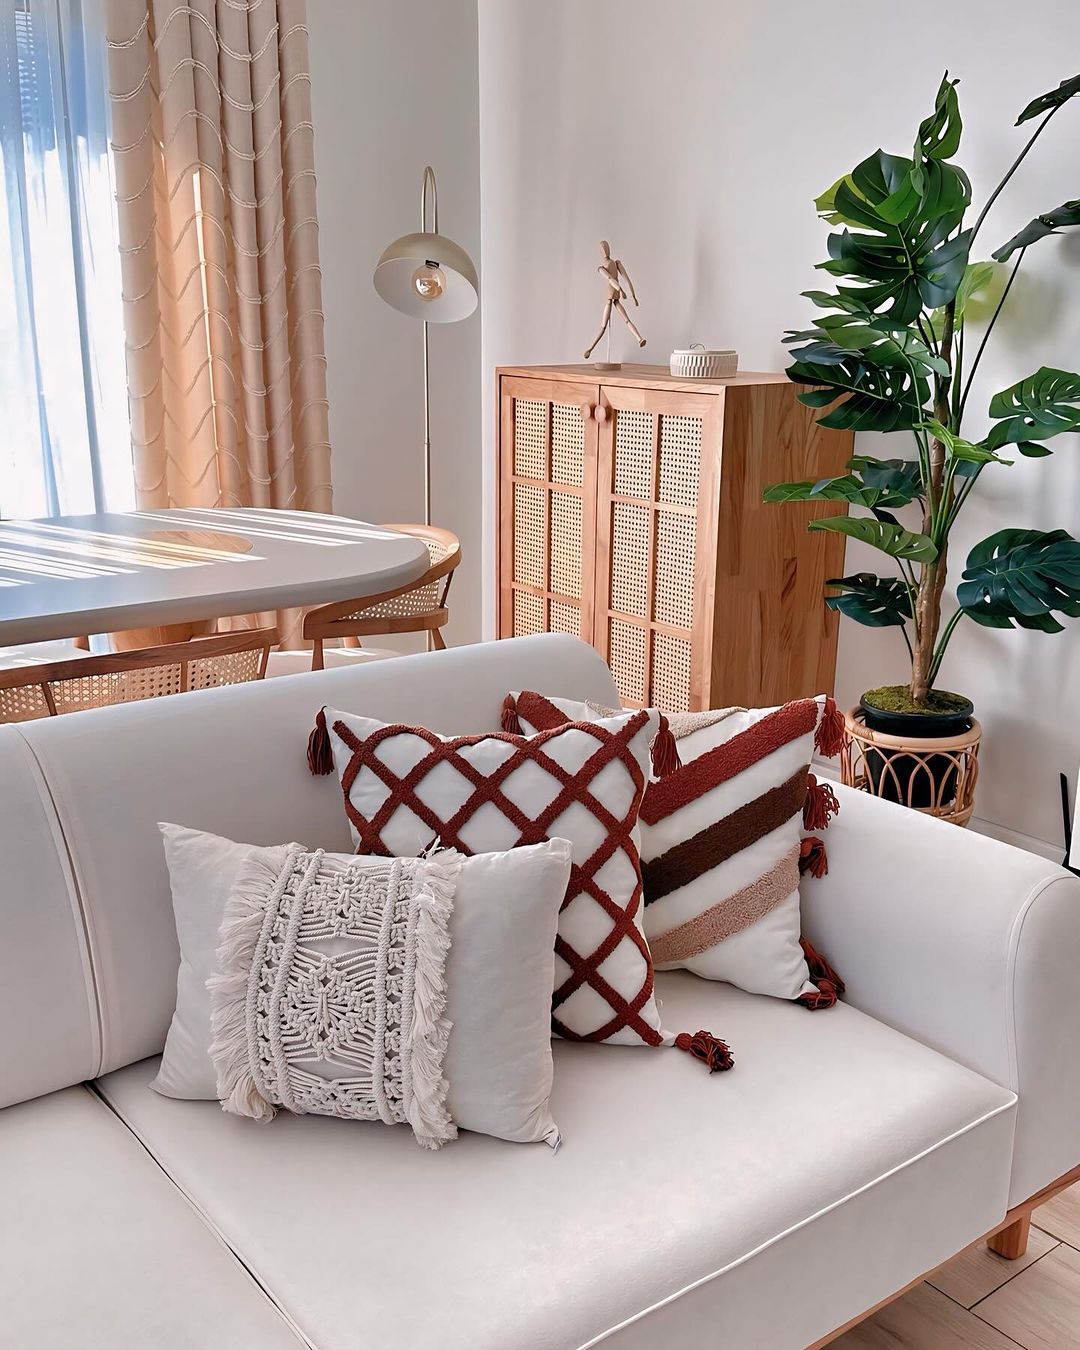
(982, 1302)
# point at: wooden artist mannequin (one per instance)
(614, 274)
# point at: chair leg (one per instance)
(437, 640)
(316, 654)
(1011, 1242)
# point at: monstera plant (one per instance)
(891, 351)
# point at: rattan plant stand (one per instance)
(934, 775)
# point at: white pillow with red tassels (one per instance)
(722, 839)
(409, 788)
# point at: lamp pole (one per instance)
(429, 177)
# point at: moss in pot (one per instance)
(889, 351)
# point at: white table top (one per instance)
(103, 573)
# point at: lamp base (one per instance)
(607, 365)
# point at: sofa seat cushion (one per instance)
(98, 1248)
(762, 1207)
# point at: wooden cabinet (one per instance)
(630, 512)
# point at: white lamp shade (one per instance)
(397, 268)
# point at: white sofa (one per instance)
(849, 1152)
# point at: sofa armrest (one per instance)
(968, 945)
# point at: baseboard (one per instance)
(1044, 848)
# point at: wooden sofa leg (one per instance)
(1011, 1242)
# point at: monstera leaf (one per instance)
(879, 341)
(901, 255)
(977, 280)
(1053, 100)
(874, 396)
(939, 134)
(1066, 214)
(903, 476)
(1020, 578)
(877, 602)
(846, 488)
(887, 536)
(1042, 405)
(966, 452)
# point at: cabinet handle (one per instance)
(586, 412)
(601, 413)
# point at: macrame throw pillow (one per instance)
(722, 841)
(330, 994)
(414, 989)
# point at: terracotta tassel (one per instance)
(812, 856)
(665, 751)
(829, 736)
(820, 805)
(320, 759)
(703, 1045)
(829, 985)
(510, 721)
(824, 996)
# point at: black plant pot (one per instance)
(934, 784)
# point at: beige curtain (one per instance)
(219, 242)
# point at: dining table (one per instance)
(72, 576)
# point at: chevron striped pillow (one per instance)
(722, 842)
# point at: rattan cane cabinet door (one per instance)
(656, 529)
(547, 495)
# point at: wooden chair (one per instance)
(419, 607)
(52, 687)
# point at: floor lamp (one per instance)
(428, 277)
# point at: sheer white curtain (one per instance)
(65, 439)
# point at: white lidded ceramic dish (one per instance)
(700, 363)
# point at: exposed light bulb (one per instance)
(429, 281)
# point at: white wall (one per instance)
(394, 87)
(694, 136)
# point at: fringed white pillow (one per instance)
(404, 990)
(330, 993)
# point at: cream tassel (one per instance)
(430, 1030)
(238, 937)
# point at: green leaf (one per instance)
(891, 539)
(939, 134)
(872, 397)
(977, 279)
(957, 448)
(1038, 407)
(1053, 99)
(877, 602)
(831, 300)
(826, 203)
(899, 251)
(881, 341)
(1066, 214)
(845, 488)
(893, 475)
(1022, 577)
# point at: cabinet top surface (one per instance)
(632, 373)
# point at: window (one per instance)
(65, 442)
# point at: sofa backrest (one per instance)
(231, 761)
(49, 1034)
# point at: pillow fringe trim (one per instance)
(430, 1030)
(238, 1091)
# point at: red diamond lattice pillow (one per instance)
(407, 787)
